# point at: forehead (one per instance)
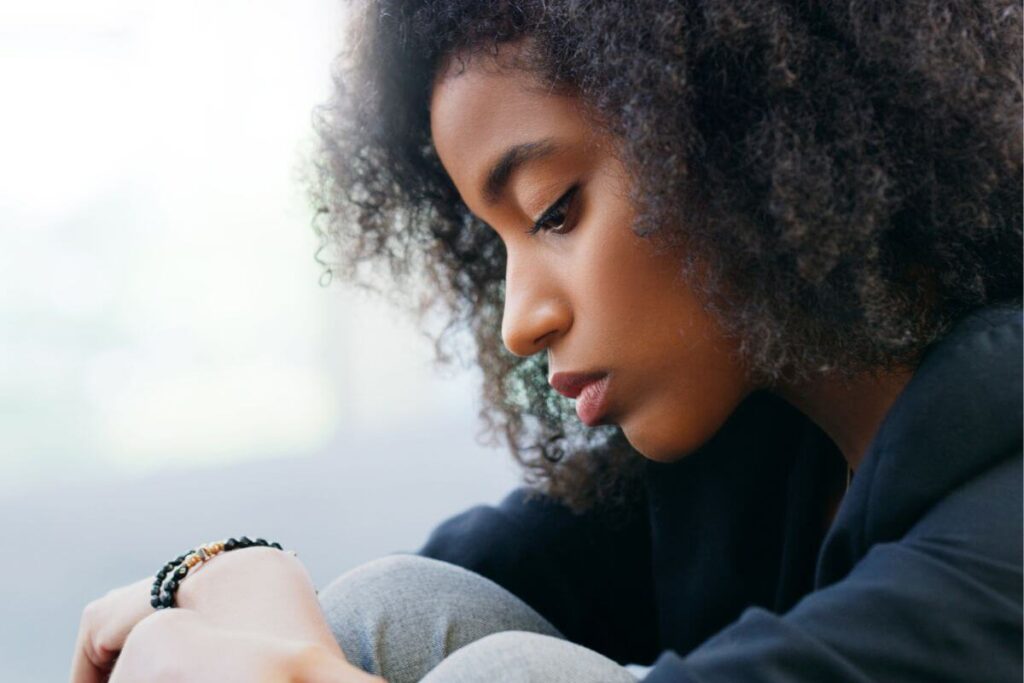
(478, 112)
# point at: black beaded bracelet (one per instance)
(165, 586)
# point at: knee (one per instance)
(414, 590)
(361, 605)
(500, 657)
(370, 609)
(404, 613)
(523, 657)
(374, 590)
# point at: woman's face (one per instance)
(584, 288)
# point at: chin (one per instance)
(662, 445)
(656, 446)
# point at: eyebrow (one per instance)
(510, 161)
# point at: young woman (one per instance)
(765, 245)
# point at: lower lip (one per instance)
(590, 404)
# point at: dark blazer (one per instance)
(726, 573)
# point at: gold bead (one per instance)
(191, 561)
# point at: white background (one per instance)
(170, 369)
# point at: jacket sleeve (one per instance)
(943, 603)
(588, 574)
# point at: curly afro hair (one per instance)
(849, 174)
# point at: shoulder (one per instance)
(979, 526)
(948, 447)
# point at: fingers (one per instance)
(84, 671)
(153, 650)
(180, 644)
(102, 631)
(91, 663)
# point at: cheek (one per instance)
(616, 278)
(603, 283)
(679, 379)
(684, 374)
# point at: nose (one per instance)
(536, 311)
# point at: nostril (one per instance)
(540, 340)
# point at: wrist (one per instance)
(235, 576)
(259, 590)
(167, 580)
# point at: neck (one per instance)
(849, 410)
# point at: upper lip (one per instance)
(570, 384)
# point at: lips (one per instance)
(590, 390)
(570, 384)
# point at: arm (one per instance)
(590, 577)
(941, 604)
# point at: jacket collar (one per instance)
(958, 415)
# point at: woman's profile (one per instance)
(772, 250)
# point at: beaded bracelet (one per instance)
(174, 572)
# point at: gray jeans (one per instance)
(410, 618)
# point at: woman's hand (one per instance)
(257, 590)
(182, 645)
(104, 626)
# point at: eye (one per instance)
(556, 217)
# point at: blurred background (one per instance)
(171, 370)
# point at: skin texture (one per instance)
(593, 295)
(597, 298)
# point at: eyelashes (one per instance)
(555, 218)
